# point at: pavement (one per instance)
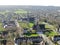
(19, 30)
(46, 39)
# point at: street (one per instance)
(46, 39)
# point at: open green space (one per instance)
(48, 26)
(51, 34)
(31, 34)
(1, 27)
(26, 25)
(31, 25)
(4, 12)
(20, 11)
(23, 25)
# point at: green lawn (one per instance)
(23, 25)
(31, 35)
(31, 25)
(4, 12)
(26, 25)
(51, 34)
(20, 11)
(48, 26)
(1, 27)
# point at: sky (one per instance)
(31, 2)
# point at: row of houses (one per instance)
(9, 25)
(35, 40)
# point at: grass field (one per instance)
(20, 11)
(1, 27)
(31, 35)
(48, 26)
(23, 25)
(31, 25)
(51, 34)
(26, 25)
(4, 12)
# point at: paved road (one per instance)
(46, 39)
(19, 30)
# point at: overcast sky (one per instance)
(31, 2)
